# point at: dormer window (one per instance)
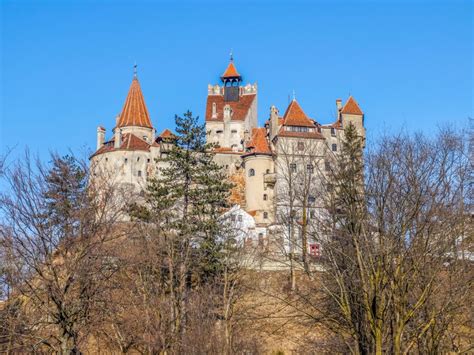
(145, 138)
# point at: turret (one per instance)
(351, 113)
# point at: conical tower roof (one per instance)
(230, 72)
(134, 112)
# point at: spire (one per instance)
(134, 112)
(352, 107)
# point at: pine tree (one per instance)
(183, 204)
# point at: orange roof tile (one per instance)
(134, 112)
(167, 134)
(352, 107)
(295, 116)
(258, 143)
(314, 135)
(239, 108)
(231, 71)
(129, 142)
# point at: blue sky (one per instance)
(66, 66)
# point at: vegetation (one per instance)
(82, 271)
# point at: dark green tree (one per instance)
(183, 203)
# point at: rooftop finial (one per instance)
(231, 55)
(294, 95)
(135, 70)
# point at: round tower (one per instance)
(259, 177)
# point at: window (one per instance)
(239, 218)
(314, 250)
(232, 218)
(265, 197)
(311, 199)
(139, 173)
(327, 166)
(234, 131)
(293, 167)
(138, 159)
(268, 171)
(334, 147)
(106, 159)
(265, 215)
(148, 160)
(329, 187)
(312, 214)
(145, 138)
(219, 131)
(126, 160)
(251, 172)
(310, 168)
(333, 131)
(300, 146)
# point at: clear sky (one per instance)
(66, 66)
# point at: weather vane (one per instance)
(231, 55)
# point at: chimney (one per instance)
(100, 137)
(118, 137)
(273, 122)
(339, 108)
(227, 119)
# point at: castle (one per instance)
(263, 157)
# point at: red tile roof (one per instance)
(258, 143)
(129, 142)
(167, 134)
(352, 107)
(134, 112)
(315, 134)
(240, 108)
(295, 116)
(231, 71)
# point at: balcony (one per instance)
(269, 178)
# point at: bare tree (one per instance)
(54, 224)
(391, 256)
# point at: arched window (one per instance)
(252, 172)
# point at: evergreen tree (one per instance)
(183, 205)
